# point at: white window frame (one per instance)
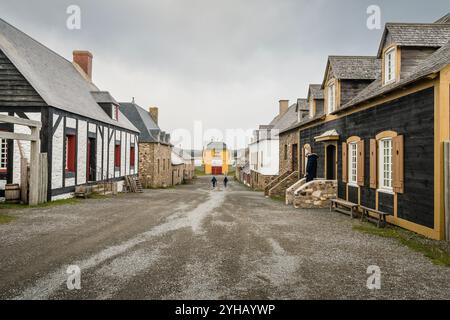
(331, 98)
(3, 154)
(390, 66)
(385, 164)
(353, 164)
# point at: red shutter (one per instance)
(117, 156)
(70, 153)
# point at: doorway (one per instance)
(294, 157)
(331, 162)
(216, 171)
(91, 159)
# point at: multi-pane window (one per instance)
(389, 66)
(353, 163)
(385, 164)
(117, 156)
(331, 98)
(132, 156)
(3, 154)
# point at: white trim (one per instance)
(392, 54)
(382, 165)
(353, 160)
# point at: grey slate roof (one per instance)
(150, 131)
(444, 19)
(416, 34)
(432, 64)
(302, 105)
(286, 120)
(353, 67)
(315, 91)
(104, 97)
(55, 78)
(216, 145)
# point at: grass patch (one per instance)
(17, 206)
(200, 171)
(6, 219)
(437, 251)
(278, 198)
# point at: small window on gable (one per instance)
(389, 66)
(3, 155)
(70, 153)
(331, 98)
(132, 156)
(115, 112)
(117, 156)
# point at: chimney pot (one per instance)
(284, 106)
(153, 111)
(84, 60)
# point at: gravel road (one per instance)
(191, 242)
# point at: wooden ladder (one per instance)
(134, 184)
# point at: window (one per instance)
(159, 166)
(353, 163)
(285, 152)
(132, 156)
(3, 155)
(385, 164)
(389, 66)
(115, 112)
(117, 156)
(331, 98)
(311, 108)
(70, 153)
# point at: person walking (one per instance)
(214, 182)
(225, 182)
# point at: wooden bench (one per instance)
(352, 207)
(381, 216)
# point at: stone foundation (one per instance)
(315, 194)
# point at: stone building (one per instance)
(155, 150)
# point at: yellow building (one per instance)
(216, 158)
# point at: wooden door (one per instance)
(294, 157)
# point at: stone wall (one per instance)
(279, 190)
(287, 140)
(315, 194)
(155, 168)
(291, 190)
(259, 181)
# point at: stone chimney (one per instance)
(84, 60)
(284, 106)
(153, 111)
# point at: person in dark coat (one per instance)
(311, 167)
(214, 182)
(225, 182)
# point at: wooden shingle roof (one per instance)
(353, 68)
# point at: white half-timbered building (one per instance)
(84, 133)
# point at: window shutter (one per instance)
(373, 163)
(360, 164)
(344, 162)
(397, 161)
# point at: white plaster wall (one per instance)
(62, 196)
(105, 146)
(71, 123)
(127, 153)
(123, 147)
(111, 173)
(92, 127)
(26, 145)
(99, 174)
(57, 154)
(70, 182)
(81, 152)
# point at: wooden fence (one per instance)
(447, 188)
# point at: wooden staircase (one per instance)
(133, 184)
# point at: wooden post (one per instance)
(24, 180)
(447, 189)
(34, 168)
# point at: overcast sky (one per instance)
(225, 63)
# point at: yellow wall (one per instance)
(208, 156)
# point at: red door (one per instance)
(216, 171)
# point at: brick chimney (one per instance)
(284, 106)
(153, 111)
(84, 60)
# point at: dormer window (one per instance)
(115, 113)
(311, 108)
(389, 66)
(331, 97)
